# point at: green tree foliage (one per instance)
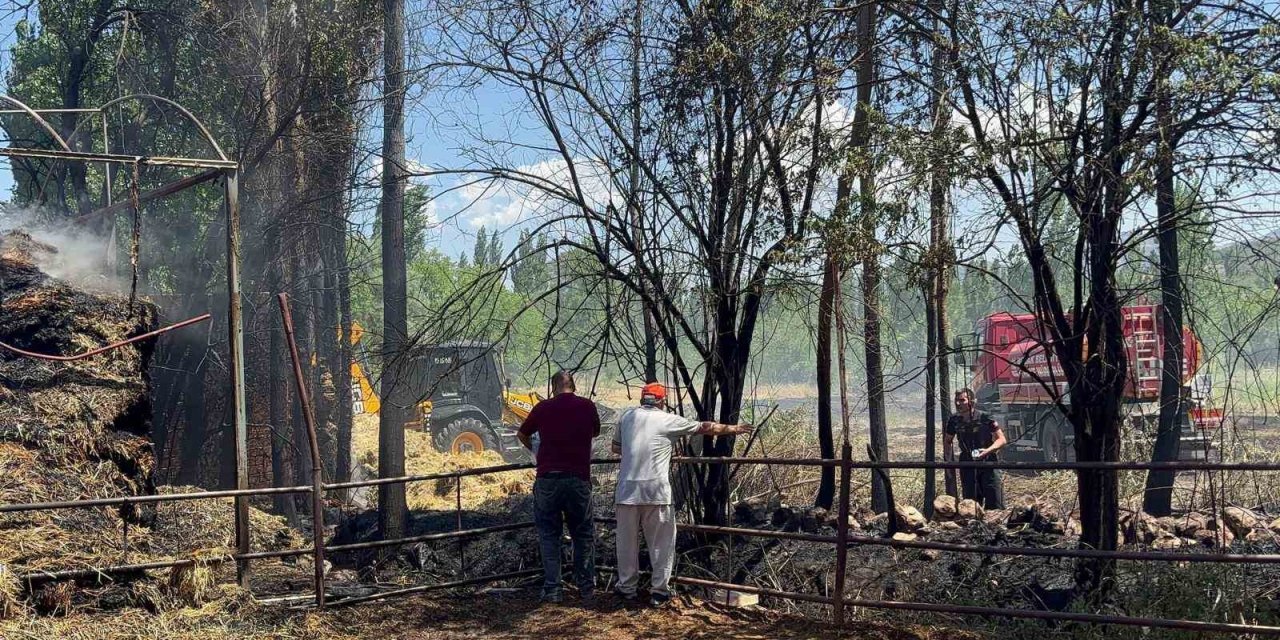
(480, 254)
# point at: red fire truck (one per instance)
(1016, 377)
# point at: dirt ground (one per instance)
(494, 615)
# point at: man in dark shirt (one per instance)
(980, 438)
(565, 424)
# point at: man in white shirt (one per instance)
(645, 437)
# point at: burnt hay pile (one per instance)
(81, 430)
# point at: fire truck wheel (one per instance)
(1051, 443)
(465, 435)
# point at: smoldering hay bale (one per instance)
(11, 603)
(69, 430)
(194, 584)
(81, 430)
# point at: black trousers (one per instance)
(560, 501)
(982, 486)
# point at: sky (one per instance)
(432, 141)
(440, 125)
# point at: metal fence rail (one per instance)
(841, 540)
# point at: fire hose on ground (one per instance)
(100, 350)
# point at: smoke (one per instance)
(80, 258)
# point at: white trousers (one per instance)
(659, 524)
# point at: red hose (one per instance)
(87, 354)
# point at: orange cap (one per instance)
(654, 389)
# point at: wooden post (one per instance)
(842, 531)
(462, 552)
(235, 328)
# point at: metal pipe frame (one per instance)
(1141, 556)
(478, 471)
(967, 464)
(430, 537)
(527, 573)
(229, 170)
(154, 194)
(166, 497)
(839, 602)
(108, 574)
(317, 466)
(115, 158)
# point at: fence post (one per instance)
(842, 531)
(462, 551)
(317, 469)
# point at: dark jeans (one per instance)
(983, 486)
(560, 500)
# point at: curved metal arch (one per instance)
(138, 97)
(44, 124)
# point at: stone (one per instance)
(1072, 527)
(343, 575)
(930, 554)
(944, 508)
(1141, 528)
(1259, 535)
(734, 599)
(1168, 543)
(909, 518)
(1036, 515)
(363, 497)
(950, 525)
(813, 518)
(1214, 538)
(1239, 520)
(996, 516)
(785, 517)
(854, 525)
(1275, 525)
(1190, 523)
(753, 512)
(969, 510)
(903, 536)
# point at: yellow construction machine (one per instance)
(465, 400)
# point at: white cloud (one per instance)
(373, 170)
(504, 204)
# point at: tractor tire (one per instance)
(465, 435)
(1052, 445)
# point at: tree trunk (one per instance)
(278, 408)
(633, 192)
(940, 239)
(1158, 499)
(324, 319)
(1095, 405)
(342, 379)
(930, 392)
(871, 262)
(304, 279)
(826, 437)
(392, 509)
(1097, 440)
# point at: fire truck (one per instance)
(1016, 379)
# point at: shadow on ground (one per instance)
(519, 615)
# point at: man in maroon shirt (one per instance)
(565, 424)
